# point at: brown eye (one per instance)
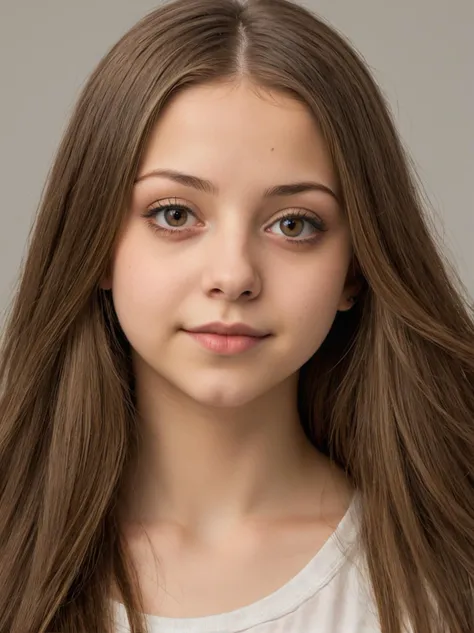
(175, 216)
(292, 227)
(171, 217)
(298, 226)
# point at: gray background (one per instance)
(421, 52)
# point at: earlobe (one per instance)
(347, 302)
(350, 295)
(352, 288)
(106, 284)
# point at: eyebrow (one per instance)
(208, 187)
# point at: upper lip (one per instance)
(233, 329)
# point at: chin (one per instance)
(223, 396)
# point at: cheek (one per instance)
(142, 290)
(309, 300)
(311, 313)
(311, 289)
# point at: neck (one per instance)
(209, 468)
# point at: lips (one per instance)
(234, 329)
(227, 339)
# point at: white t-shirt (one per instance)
(331, 594)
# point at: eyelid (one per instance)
(171, 201)
(160, 206)
(166, 203)
(305, 214)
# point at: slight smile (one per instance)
(227, 339)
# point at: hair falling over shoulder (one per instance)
(391, 388)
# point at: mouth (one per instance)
(226, 329)
(227, 344)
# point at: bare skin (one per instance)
(228, 494)
(183, 577)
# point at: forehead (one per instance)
(220, 129)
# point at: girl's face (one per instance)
(225, 250)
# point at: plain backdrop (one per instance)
(420, 51)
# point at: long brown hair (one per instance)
(389, 396)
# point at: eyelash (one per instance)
(319, 225)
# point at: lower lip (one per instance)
(223, 344)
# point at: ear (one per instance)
(105, 285)
(106, 282)
(352, 287)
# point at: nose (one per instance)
(230, 271)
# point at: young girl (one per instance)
(237, 378)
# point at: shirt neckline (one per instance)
(306, 583)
